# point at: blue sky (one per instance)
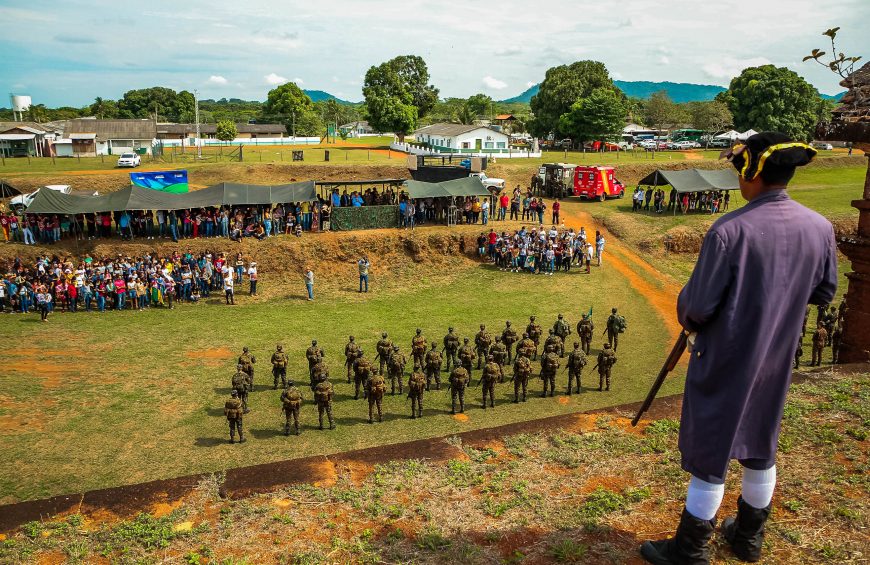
(68, 52)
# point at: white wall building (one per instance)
(459, 138)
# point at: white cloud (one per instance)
(217, 79)
(494, 83)
(664, 60)
(730, 67)
(274, 79)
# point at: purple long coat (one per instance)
(758, 269)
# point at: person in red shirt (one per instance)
(556, 207)
(503, 203)
(493, 237)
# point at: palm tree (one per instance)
(465, 114)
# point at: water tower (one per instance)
(20, 104)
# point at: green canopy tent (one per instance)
(138, 198)
(693, 180)
(469, 186)
(7, 190)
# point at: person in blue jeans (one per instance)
(309, 282)
(364, 265)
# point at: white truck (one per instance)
(490, 182)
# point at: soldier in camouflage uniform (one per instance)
(499, 353)
(482, 343)
(549, 365)
(509, 337)
(836, 340)
(451, 347)
(459, 379)
(291, 402)
(553, 341)
(820, 337)
(246, 360)
(433, 367)
(606, 360)
(396, 369)
(585, 329)
(350, 351)
(466, 356)
(279, 367)
(362, 371)
(615, 326)
(526, 347)
(576, 362)
(375, 388)
(491, 375)
(240, 385)
(233, 412)
(323, 394)
(384, 347)
(320, 372)
(314, 354)
(562, 329)
(535, 331)
(416, 386)
(418, 348)
(522, 373)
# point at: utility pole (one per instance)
(293, 129)
(196, 115)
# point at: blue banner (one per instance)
(164, 181)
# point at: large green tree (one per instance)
(397, 94)
(710, 116)
(562, 87)
(226, 130)
(164, 102)
(660, 112)
(774, 98)
(601, 114)
(103, 109)
(292, 107)
(481, 105)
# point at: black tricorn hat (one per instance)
(769, 150)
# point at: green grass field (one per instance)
(96, 400)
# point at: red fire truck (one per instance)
(597, 183)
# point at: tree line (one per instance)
(578, 101)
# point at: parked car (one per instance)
(721, 143)
(129, 160)
(22, 201)
(490, 182)
(823, 146)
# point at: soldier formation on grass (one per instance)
(494, 354)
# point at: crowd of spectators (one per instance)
(123, 282)
(653, 200)
(541, 251)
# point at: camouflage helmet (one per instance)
(465, 339)
(549, 348)
(279, 347)
(532, 318)
(585, 315)
(576, 344)
(489, 357)
(613, 310)
(383, 334)
(560, 316)
(313, 342)
(606, 346)
(508, 323)
(498, 338)
(551, 331)
(359, 352)
(234, 393)
(396, 347)
(351, 338)
(450, 329)
(290, 382)
(245, 349)
(419, 331)
(525, 334)
(239, 366)
(483, 326)
(434, 345)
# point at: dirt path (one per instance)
(662, 298)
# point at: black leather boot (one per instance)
(745, 533)
(687, 547)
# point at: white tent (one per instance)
(730, 134)
(746, 134)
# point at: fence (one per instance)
(363, 218)
(508, 153)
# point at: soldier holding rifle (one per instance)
(743, 296)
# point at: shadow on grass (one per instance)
(267, 433)
(210, 441)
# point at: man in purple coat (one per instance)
(744, 304)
